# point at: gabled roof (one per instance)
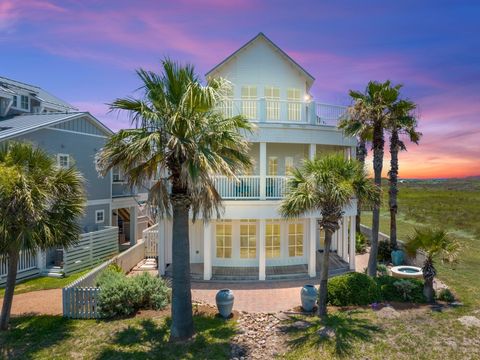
(10, 86)
(23, 124)
(262, 36)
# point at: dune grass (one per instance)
(453, 205)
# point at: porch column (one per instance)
(133, 225)
(345, 238)
(312, 151)
(261, 251)
(334, 241)
(312, 251)
(161, 247)
(263, 170)
(207, 250)
(340, 241)
(352, 243)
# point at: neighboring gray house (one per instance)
(29, 113)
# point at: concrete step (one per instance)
(53, 271)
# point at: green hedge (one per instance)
(361, 289)
(121, 295)
(352, 289)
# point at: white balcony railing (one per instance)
(249, 187)
(273, 110)
(244, 187)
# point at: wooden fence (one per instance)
(27, 266)
(92, 248)
(80, 298)
(150, 238)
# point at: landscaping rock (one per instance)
(387, 312)
(258, 337)
(470, 321)
(326, 332)
(301, 325)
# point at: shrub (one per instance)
(382, 270)
(391, 292)
(121, 295)
(115, 267)
(360, 243)
(352, 289)
(154, 293)
(446, 295)
(384, 251)
(406, 288)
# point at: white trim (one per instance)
(59, 155)
(102, 211)
(98, 202)
(77, 132)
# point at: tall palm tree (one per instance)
(434, 242)
(179, 133)
(353, 125)
(41, 204)
(327, 185)
(402, 122)
(373, 109)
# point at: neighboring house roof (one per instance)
(9, 86)
(262, 36)
(24, 124)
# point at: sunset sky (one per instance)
(86, 52)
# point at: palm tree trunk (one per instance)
(378, 145)
(182, 319)
(322, 297)
(393, 191)
(9, 289)
(429, 273)
(361, 155)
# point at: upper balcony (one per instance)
(284, 111)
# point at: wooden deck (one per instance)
(289, 272)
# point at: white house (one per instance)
(252, 240)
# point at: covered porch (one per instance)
(288, 272)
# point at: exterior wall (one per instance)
(82, 148)
(88, 221)
(260, 65)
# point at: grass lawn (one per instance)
(53, 337)
(363, 334)
(44, 283)
(453, 205)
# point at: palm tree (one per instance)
(402, 122)
(353, 125)
(434, 242)
(373, 109)
(327, 185)
(41, 204)
(179, 133)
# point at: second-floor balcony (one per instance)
(273, 110)
(251, 187)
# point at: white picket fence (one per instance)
(27, 263)
(80, 298)
(150, 239)
(92, 248)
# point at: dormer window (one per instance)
(24, 103)
(14, 104)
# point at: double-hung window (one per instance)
(295, 239)
(294, 105)
(248, 239)
(223, 237)
(24, 104)
(63, 161)
(249, 102)
(272, 239)
(99, 216)
(272, 102)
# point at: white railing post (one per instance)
(207, 251)
(263, 169)
(312, 249)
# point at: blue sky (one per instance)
(86, 52)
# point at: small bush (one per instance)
(391, 292)
(121, 295)
(382, 270)
(446, 295)
(115, 267)
(384, 251)
(352, 289)
(406, 288)
(360, 243)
